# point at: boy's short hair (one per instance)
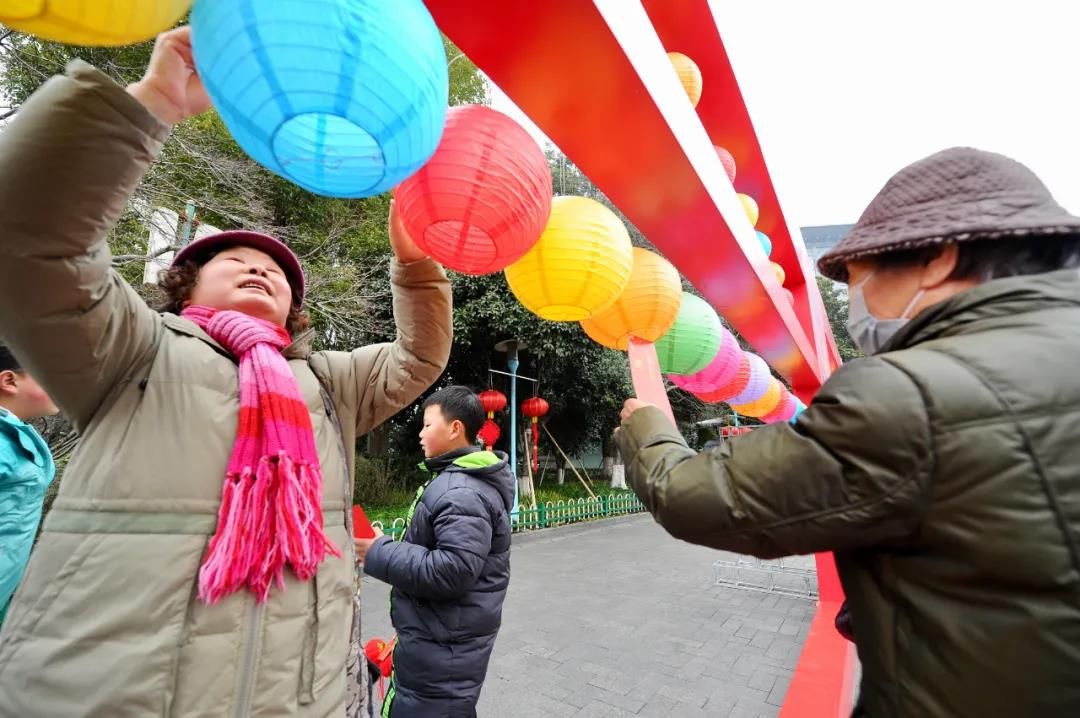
(8, 362)
(461, 404)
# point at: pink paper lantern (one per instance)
(783, 411)
(760, 376)
(732, 387)
(721, 370)
(727, 160)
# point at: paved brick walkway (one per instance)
(616, 618)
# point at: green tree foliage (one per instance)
(342, 242)
(836, 307)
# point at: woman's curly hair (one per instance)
(178, 282)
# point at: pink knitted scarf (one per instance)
(271, 503)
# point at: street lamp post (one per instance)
(511, 347)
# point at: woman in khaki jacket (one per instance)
(185, 569)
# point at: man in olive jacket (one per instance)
(944, 469)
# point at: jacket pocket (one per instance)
(46, 576)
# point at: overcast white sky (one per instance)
(844, 93)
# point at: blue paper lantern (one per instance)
(799, 409)
(766, 243)
(346, 98)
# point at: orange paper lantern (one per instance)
(765, 405)
(689, 75)
(647, 307)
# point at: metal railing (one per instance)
(554, 513)
(787, 577)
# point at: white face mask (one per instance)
(868, 332)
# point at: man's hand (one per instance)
(404, 247)
(630, 407)
(363, 544)
(171, 88)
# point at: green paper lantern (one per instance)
(693, 340)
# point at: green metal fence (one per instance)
(556, 513)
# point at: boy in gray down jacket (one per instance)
(451, 567)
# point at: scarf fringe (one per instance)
(269, 517)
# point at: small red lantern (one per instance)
(381, 655)
(729, 432)
(489, 433)
(534, 408)
(483, 199)
(492, 400)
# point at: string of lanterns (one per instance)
(690, 77)
(352, 104)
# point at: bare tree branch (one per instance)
(125, 258)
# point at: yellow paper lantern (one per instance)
(689, 75)
(647, 307)
(97, 23)
(781, 275)
(765, 405)
(579, 266)
(750, 207)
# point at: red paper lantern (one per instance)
(483, 199)
(381, 655)
(489, 433)
(727, 160)
(492, 400)
(734, 387)
(534, 408)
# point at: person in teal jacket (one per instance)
(26, 470)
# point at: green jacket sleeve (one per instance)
(375, 382)
(854, 471)
(68, 164)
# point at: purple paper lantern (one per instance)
(759, 381)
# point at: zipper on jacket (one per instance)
(252, 638)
